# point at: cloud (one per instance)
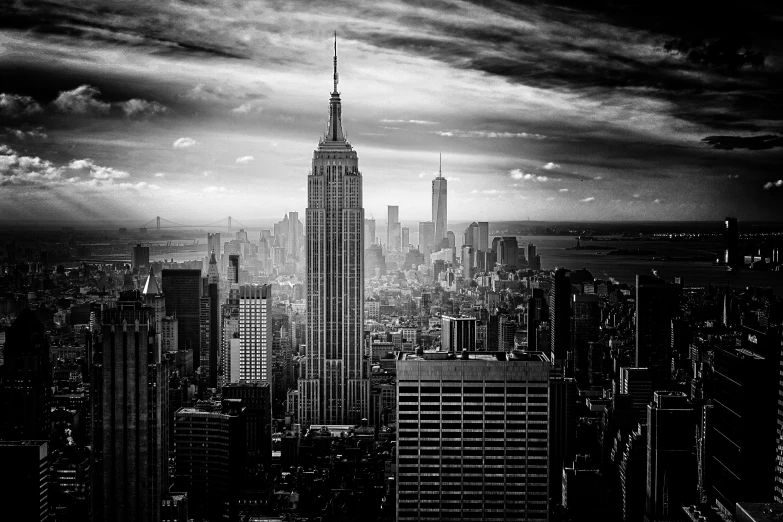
(141, 185)
(415, 122)
(97, 171)
(184, 143)
(551, 166)
(587, 200)
(728, 53)
(214, 190)
(160, 174)
(22, 134)
(453, 178)
(136, 107)
(598, 178)
(81, 100)
(563, 190)
(637, 196)
(245, 159)
(733, 176)
(773, 184)
(518, 174)
(656, 200)
(252, 107)
(765, 142)
(488, 134)
(15, 105)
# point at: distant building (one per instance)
(393, 229)
(140, 257)
(654, 310)
(732, 255)
(255, 333)
(182, 289)
(560, 316)
(440, 208)
(458, 333)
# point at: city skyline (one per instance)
(553, 112)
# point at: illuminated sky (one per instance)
(549, 110)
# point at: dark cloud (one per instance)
(15, 105)
(765, 142)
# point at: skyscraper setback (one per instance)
(333, 387)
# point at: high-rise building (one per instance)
(427, 238)
(26, 387)
(450, 239)
(439, 207)
(213, 243)
(256, 396)
(26, 492)
(560, 315)
(406, 238)
(458, 333)
(369, 232)
(563, 407)
(483, 236)
(255, 333)
(233, 268)
(671, 455)
(154, 299)
(129, 390)
(472, 437)
(213, 293)
(393, 230)
(653, 326)
(741, 432)
(638, 383)
(333, 386)
(182, 289)
(467, 261)
(140, 257)
(586, 318)
(210, 455)
(732, 256)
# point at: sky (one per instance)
(548, 110)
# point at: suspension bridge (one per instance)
(162, 224)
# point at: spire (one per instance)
(212, 260)
(334, 130)
(440, 164)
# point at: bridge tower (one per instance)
(158, 218)
(229, 223)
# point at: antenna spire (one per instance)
(440, 165)
(335, 62)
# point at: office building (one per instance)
(586, 318)
(439, 208)
(210, 456)
(563, 408)
(671, 455)
(140, 257)
(406, 239)
(468, 262)
(654, 307)
(256, 397)
(560, 316)
(128, 396)
(25, 488)
(213, 294)
(255, 333)
(741, 432)
(26, 387)
(333, 385)
(507, 330)
(153, 298)
(169, 332)
(638, 383)
(472, 437)
(427, 243)
(458, 333)
(393, 229)
(483, 236)
(233, 267)
(213, 243)
(633, 466)
(369, 232)
(451, 241)
(471, 237)
(182, 289)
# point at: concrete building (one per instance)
(140, 257)
(182, 289)
(334, 387)
(654, 305)
(472, 437)
(638, 383)
(458, 333)
(440, 207)
(255, 333)
(393, 229)
(256, 397)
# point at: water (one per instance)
(624, 268)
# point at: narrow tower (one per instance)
(333, 386)
(439, 216)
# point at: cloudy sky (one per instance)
(556, 110)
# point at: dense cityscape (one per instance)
(331, 366)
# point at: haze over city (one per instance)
(552, 110)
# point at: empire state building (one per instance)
(334, 386)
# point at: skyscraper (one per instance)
(483, 236)
(129, 390)
(333, 387)
(560, 316)
(439, 215)
(369, 232)
(427, 239)
(213, 291)
(653, 326)
(233, 269)
(25, 391)
(472, 436)
(255, 333)
(140, 257)
(393, 230)
(731, 253)
(182, 289)
(26, 492)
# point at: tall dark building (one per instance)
(333, 386)
(563, 403)
(182, 289)
(654, 307)
(741, 433)
(560, 316)
(25, 484)
(233, 269)
(140, 257)
(210, 456)
(25, 391)
(129, 391)
(586, 318)
(257, 398)
(671, 457)
(732, 255)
